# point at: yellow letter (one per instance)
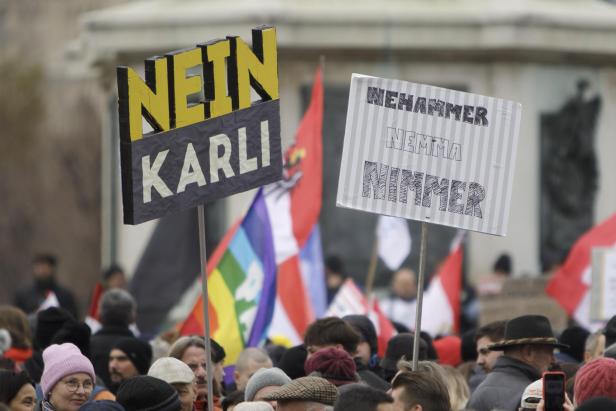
(181, 113)
(151, 98)
(258, 69)
(217, 103)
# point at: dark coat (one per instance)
(100, 345)
(29, 299)
(370, 377)
(503, 387)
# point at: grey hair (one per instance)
(117, 307)
(257, 355)
(182, 343)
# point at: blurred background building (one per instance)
(60, 188)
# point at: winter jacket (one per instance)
(503, 387)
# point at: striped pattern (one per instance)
(241, 286)
(487, 152)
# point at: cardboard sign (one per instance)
(221, 144)
(428, 153)
(603, 287)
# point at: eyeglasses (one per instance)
(73, 385)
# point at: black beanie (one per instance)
(145, 393)
(139, 352)
(610, 332)
(365, 328)
(10, 384)
(101, 405)
(218, 353)
(48, 322)
(575, 338)
(292, 362)
(76, 333)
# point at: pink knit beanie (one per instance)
(62, 360)
(595, 379)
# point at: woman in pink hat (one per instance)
(68, 378)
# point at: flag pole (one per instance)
(372, 270)
(206, 314)
(420, 286)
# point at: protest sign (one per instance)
(603, 288)
(199, 151)
(428, 153)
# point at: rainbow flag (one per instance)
(241, 285)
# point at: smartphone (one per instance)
(554, 390)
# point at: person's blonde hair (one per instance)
(453, 379)
(459, 393)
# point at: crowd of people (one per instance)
(51, 361)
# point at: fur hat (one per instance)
(265, 377)
(596, 379)
(60, 361)
(314, 389)
(145, 393)
(139, 352)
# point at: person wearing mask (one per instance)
(68, 378)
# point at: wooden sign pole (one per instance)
(420, 286)
(206, 314)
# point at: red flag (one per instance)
(570, 284)
(294, 205)
(441, 303)
(96, 297)
(306, 195)
(350, 300)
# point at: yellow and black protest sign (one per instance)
(223, 143)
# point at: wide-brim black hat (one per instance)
(527, 329)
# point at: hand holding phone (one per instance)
(554, 390)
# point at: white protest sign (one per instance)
(429, 153)
(603, 288)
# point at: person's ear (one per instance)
(236, 376)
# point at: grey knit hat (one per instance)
(265, 377)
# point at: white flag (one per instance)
(394, 240)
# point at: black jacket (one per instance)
(503, 387)
(29, 299)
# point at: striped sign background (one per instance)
(487, 153)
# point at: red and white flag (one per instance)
(51, 300)
(350, 300)
(294, 205)
(441, 301)
(570, 285)
(394, 240)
